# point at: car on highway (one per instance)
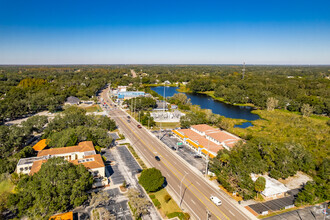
(157, 158)
(128, 121)
(139, 126)
(215, 200)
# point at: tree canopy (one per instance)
(151, 179)
(57, 187)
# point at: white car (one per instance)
(215, 200)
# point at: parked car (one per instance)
(173, 148)
(215, 200)
(197, 156)
(128, 117)
(128, 121)
(139, 126)
(157, 158)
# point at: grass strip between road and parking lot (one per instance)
(166, 205)
(138, 159)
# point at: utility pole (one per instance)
(181, 197)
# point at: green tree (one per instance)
(260, 184)
(58, 186)
(151, 179)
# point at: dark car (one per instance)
(128, 121)
(128, 117)
(197, 156)
(139, 126)
(157, 158)
(173, 148)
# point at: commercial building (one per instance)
(130, 94)
(273, 189)
(207, 140)
(83, 154)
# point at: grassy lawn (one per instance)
(167, 125)
(168, 207)
(6, 186)
(93, 108)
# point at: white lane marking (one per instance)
(145, 150)
(166, 155)
(185, 172)
(175, 163)
(193, 202)
(198, 183)
(231, 213)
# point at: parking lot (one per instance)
(183, 151)
(276, 204)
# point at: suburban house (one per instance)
(83, 154)
(207, 140)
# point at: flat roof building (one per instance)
(130, 94)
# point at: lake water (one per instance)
(206, 102)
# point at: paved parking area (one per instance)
(276, 204)
(128, 159)
(184, 151)
(309, 213)
(120, 210)
(115, 175)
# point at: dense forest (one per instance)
(25, 90)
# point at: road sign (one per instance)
(179, 143)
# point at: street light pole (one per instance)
(181, 189)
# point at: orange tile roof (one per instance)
(229, 139)
(40, 145)
(62, 216)
(201, 140)
(82, 147)
(204, 128)
(96, 163)
(36, 166)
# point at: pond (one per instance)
(206, 102)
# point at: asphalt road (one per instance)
(195, 191)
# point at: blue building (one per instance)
(130, 94)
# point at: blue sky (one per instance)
(164, 32)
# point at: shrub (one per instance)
(156, 203)
(167, 198)
(151, 179)
(180, 215)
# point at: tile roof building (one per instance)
(40, 145)
(206, 139)
(84, 153)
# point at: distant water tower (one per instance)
(243, 70)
